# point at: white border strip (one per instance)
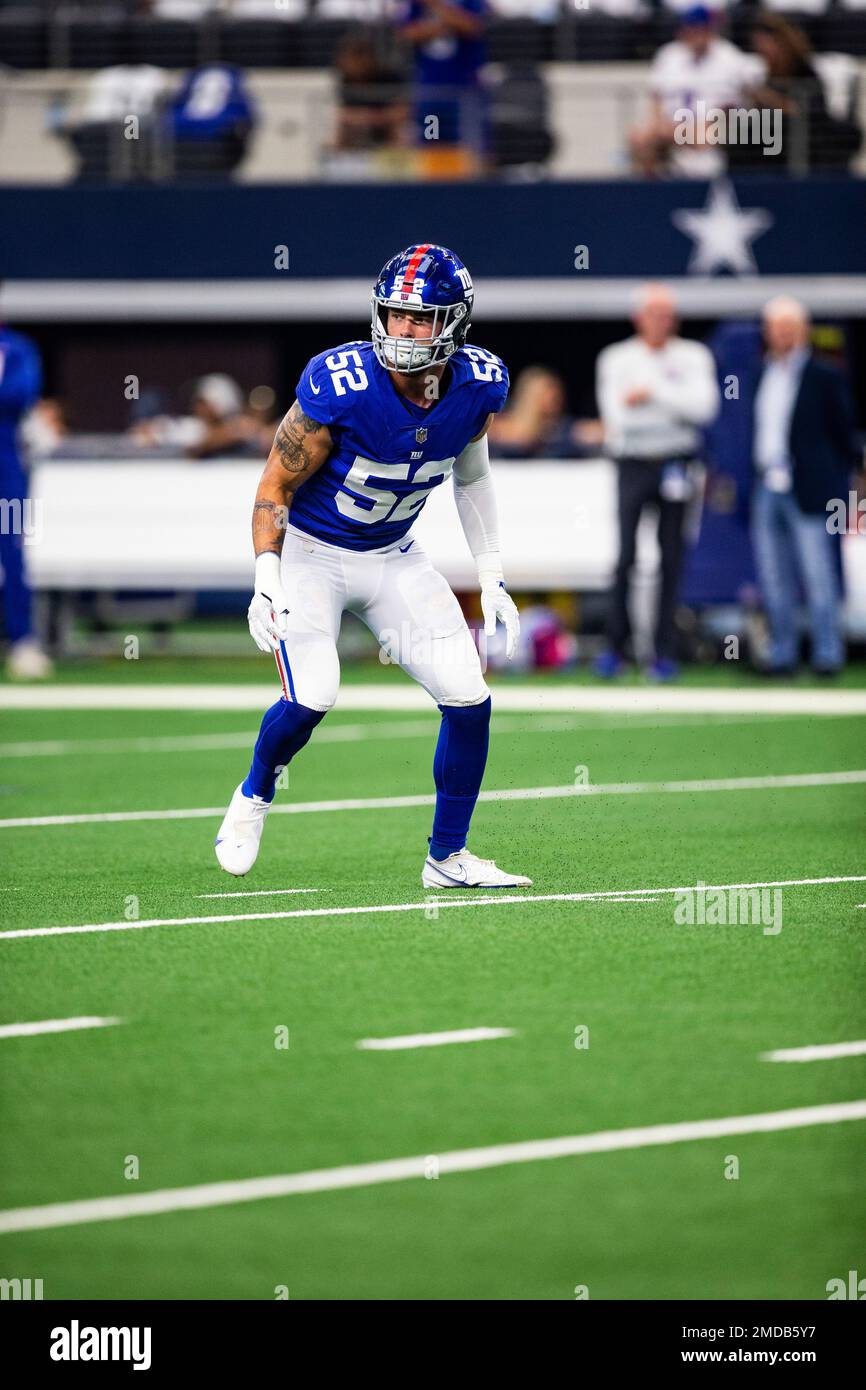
(497, 899)
(279, 298)
(513, 699)
(781, 782)
(220, 1194)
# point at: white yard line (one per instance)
(262, 893)
(507, 698)
(219, 1194)
(411, 1040)
(820, 1052)
(385, 803)
(54, 1025)
(497, 899)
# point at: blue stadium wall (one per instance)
(818, 227)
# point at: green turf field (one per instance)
(192, 1084)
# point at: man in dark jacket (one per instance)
(803, 453)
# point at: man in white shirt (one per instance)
(697, 73)
(655, 393)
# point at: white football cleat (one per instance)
(237, 844)
(465, 870)
(27, 661)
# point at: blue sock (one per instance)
(285, 729)
(458, 767)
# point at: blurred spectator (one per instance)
(679, 7)
(542, 11)
(264, 416)
(809, 134)
(448, 38)
(218, 407)
(44, 428)
(20, 384)
(211, 119)
(799, 6)
(698, 67)
(112, 132)
(371, 113)
(361, 11)
(655, 392)
(536, 425)
(235, 9)
(219, 422)
(803, 453)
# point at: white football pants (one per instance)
(404, 601)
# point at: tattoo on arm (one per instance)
(290, 444)
(269, 521)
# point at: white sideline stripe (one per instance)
(349, 733)
(410, 1040)
(386, 803)
(261, 893)
(220, 1194)
(497, 899)
(54, 1025)
(819, 1053)
(519, 698)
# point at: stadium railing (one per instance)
(573, 125)
(87, 36)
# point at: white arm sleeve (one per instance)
(476, 507)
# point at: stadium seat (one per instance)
(512, 40)
(260, 43)
(168, 43)
(23, 38)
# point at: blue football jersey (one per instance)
(388, 453)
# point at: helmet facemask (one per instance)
(450, 324)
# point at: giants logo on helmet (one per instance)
(417, 283)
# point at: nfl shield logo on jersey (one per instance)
(420, 435)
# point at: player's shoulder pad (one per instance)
(484, 373)
(333, 380)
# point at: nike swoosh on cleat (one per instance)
(453, 877)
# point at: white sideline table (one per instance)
(184, 525)
(180, 524)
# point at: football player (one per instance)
(376, 426)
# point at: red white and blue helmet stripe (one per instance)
(425, 279)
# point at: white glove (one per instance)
(268, 613)
(497, 603)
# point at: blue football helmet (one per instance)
(422, 278)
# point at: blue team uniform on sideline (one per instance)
(20, 388)
(388, 453)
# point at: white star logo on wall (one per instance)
(722, 232)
